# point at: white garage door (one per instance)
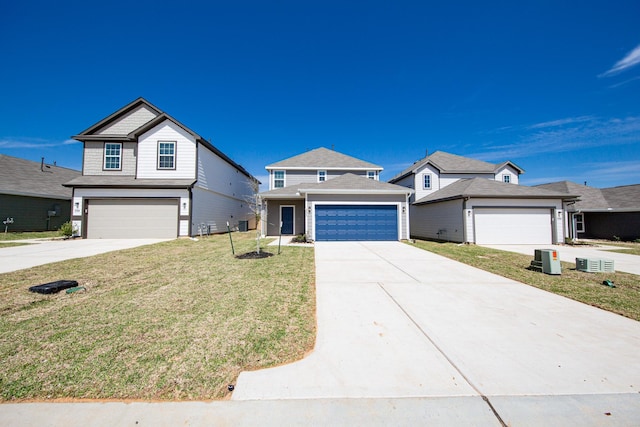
(132, 218)
(513, 226)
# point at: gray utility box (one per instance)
(595, 265)
(546, 261)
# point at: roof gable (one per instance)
(452, 163)
(323, 158)
(124, 121)
(485, 188)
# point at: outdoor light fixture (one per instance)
(184, 205)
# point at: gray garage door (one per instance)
(359, 222)
(132, 218)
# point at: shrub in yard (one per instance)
(66, 229)
(300, 238)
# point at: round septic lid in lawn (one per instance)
(254, 255)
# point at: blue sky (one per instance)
(552, 86)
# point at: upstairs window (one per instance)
(113, 156)
(371, 174)
(506, 178)
(322, 176)
(426, 181)
(278, 179)
(166, 155)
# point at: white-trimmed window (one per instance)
(579, 219)
(113, 156)
(166, 154)
(371, 175)
(506, 178)
(322, 176)
(426, 181)
(278, 179)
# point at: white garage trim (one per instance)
(132, 218)
(501, 225)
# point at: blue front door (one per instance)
(286, 216)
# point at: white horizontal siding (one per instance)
(130, 122)
(507, 170)
(214, 209)
(443, 221)
(419, 181)
(185, 159)
(218, 175)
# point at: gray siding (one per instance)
(129, 122)
(94, 159)
(30, 213)
(297, 177)
(273, 216)
(438, 221)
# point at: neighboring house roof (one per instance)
(621, 199)
(22, 177)
(323, 159)
(452, 163)
(155, 117)
(344, 184)
(101, 181)
(489, 188)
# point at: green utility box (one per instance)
(546, 261)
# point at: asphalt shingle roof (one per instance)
(352, 182)
(452, 163)
(625, 197)
(344, 183)
(96, 181)
(323, 158)
(26, 178)
(482, 187)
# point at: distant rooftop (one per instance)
(323, 158)
(22, 177)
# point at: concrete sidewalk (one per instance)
(39, 252)
(623, 262)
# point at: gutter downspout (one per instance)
(464, 220)
(406, 217)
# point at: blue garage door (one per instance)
(359, 222)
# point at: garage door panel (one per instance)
(356, 222)
(132, 218)
(513, 226)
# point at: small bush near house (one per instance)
(300, 238)
(66, 229)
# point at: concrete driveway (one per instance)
(398, 322)
(39, 252)
(622, 262)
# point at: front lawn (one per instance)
(29, 235)
(177, 320)
(584, 287)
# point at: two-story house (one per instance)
(144, 174)
(465, 200)
(332, 196)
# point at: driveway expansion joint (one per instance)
(441, 351)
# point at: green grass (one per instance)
(584, 287)
(29, 235)
(10, 244)
(631, 248)
(177, 320)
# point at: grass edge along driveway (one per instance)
(580, 286)
(177, 320)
